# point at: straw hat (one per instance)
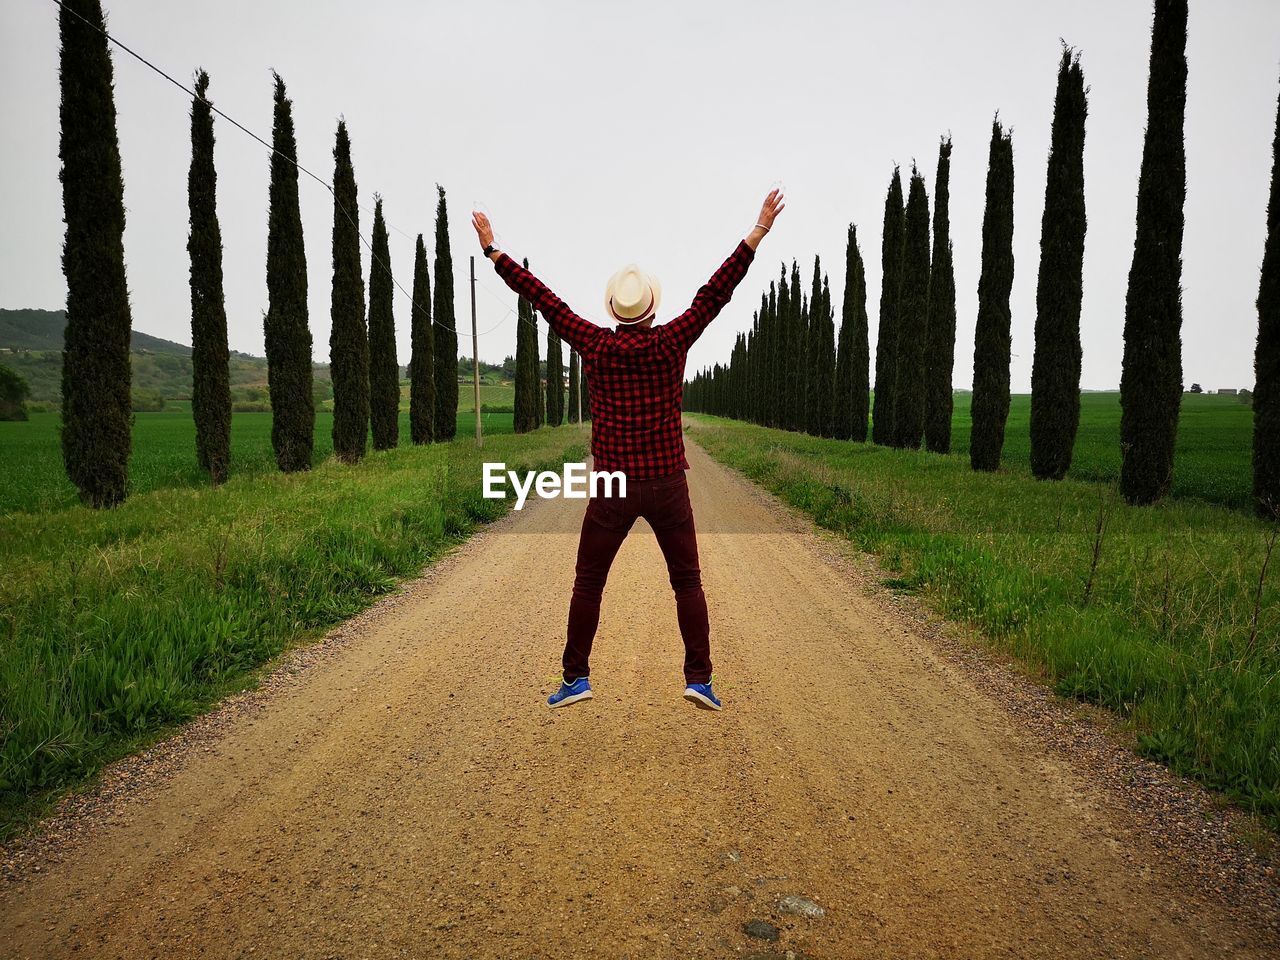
(632, 295)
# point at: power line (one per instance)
(270, 147)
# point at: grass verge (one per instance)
(118, 624)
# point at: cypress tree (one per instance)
(1055, 370)
(757, 353)
(446, 329)
(422, 379)
(96, 411)
(783, 372)
(1266, 361)
(940, 352)
(803, 369)
(14, 391)
(794, 378)
(913, 318)
(774, 361)
(526, 401)
(573, 386)
(826, 366)
(820, 361)
(813, 374)
(586, 396)
(536, 362)
(852, 387)
(1151, 376)
(886, 336)
(348, 338)
(288, 338)
(384, 367)
(990, 406)
(555, 380)
(210, 359)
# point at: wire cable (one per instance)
(293, 160)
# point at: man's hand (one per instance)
(483, 230)
(773, 205)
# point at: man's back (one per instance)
(635, 373)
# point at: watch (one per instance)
(489, 250)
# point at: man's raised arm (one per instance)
(715, 293)
(569, 327)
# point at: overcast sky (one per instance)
(597, 134)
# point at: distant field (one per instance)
(32, 476)
(1215, 443)
(491, 395)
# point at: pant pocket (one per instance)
(612, 513)
(670, 505)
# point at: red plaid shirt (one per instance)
(636, 374)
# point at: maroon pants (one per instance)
(664, 503)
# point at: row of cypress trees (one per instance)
(916, 336)
(788, 371)
(535, 406)
(914, 360)
(1151, 383)
(917, 332)
(96, 411)
(785, 372)
(362, 347)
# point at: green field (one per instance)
(1215, 440)
(1173, 628)
(492, 395)
(120, 623)
(32, 477)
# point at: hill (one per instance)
(31, 343)
(42, 330)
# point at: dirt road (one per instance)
(411, 796)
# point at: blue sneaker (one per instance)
(569, 693)
(701, 695)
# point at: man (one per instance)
(636, 376)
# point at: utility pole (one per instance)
(475, 354)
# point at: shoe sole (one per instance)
(584, 695)
(698, 700)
